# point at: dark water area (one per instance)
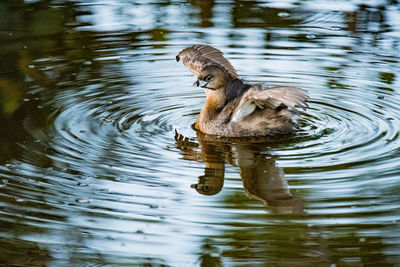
(100, 165)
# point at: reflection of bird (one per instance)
(262, 179)
(236, 109)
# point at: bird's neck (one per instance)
(234, 88)
(212, 107)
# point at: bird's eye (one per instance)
(208, 78)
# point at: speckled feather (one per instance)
(198, 57)
(270, 98)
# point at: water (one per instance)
(100, 165)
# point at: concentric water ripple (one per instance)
(347, 132)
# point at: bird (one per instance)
(234, 108)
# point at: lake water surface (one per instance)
(100, 165)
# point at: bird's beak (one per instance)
(200, 83)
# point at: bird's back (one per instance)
(261, 112)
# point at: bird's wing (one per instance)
(198, 57)
(270, 98)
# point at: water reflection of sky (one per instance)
(362, 23)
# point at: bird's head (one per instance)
(212, 78)
(213, 71)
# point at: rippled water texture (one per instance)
(99, 163)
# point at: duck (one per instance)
(234, 108)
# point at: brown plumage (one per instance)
(233, 108)
(197, 57)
